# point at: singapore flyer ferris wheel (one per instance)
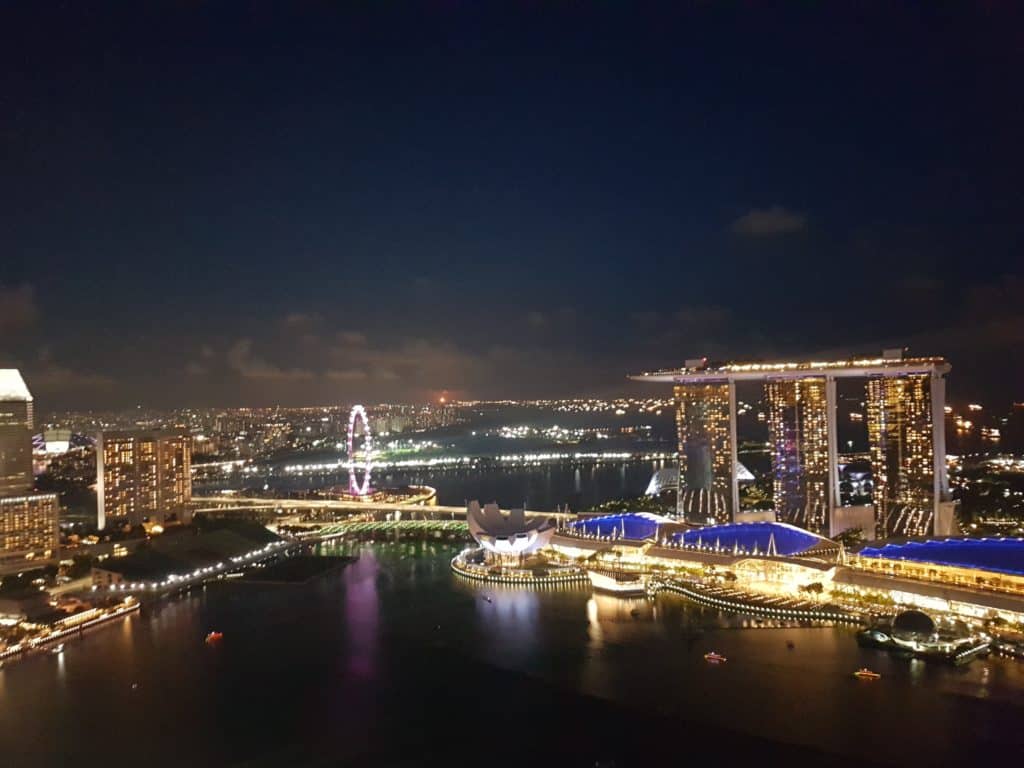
(360, 457)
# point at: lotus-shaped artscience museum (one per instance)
(510, 534)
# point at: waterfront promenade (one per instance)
(215, 504)
(71, 627)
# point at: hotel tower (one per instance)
(906, 432)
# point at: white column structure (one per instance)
(832, 427)
(938, 396)
(101, 512)
(733, 452)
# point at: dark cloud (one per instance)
(351, 338)
(710, 330)
(241, 360)
(765, 222)
(301, 322)
(981, 337)
(49, 380)
(536, 319)
(349, 374)
(18, 309)
(344, 366)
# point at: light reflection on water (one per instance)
(362, 614)
(333, 658)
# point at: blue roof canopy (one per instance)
(631, 525)
(789, 540)
(1000, 555)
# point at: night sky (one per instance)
(244, 204)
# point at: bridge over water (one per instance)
(215, 504)
(389, 526)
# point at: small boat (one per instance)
(866, 674)
(714, 658)
(57, 649)
(488, 599)
(214, 637)
(790, 644)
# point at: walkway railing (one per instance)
(335, 530)
(737, 604)
(525, 578)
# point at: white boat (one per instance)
(57, 649)
(617, 582)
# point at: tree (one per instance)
(81, 566)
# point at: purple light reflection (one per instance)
(362, 613)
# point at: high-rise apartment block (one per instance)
(29, 536)
(143, 476)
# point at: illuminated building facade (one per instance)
(799, 433)
(906, 398)
(28, 521)
(15, 434)
(143, 476)
(705, 421)
(29, 537)
(901, 432)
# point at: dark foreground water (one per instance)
(396, 661)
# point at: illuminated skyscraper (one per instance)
(901, 430)
(707, 450)
(29, 536)
(15, 434)
(798, 428)
(143, 476)
(905, 397)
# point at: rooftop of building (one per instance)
(146, 565)
(12, 386)
(758, 538)
(1001, 555)
(142, 432)
(189, 548)
(635, 526)
(891, 363)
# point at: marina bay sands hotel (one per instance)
(906, 433)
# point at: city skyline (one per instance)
(639, 379)
(293, 209)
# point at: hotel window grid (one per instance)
(799, 431)
(900, 434)
(704, 429)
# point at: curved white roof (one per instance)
(510, 534)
